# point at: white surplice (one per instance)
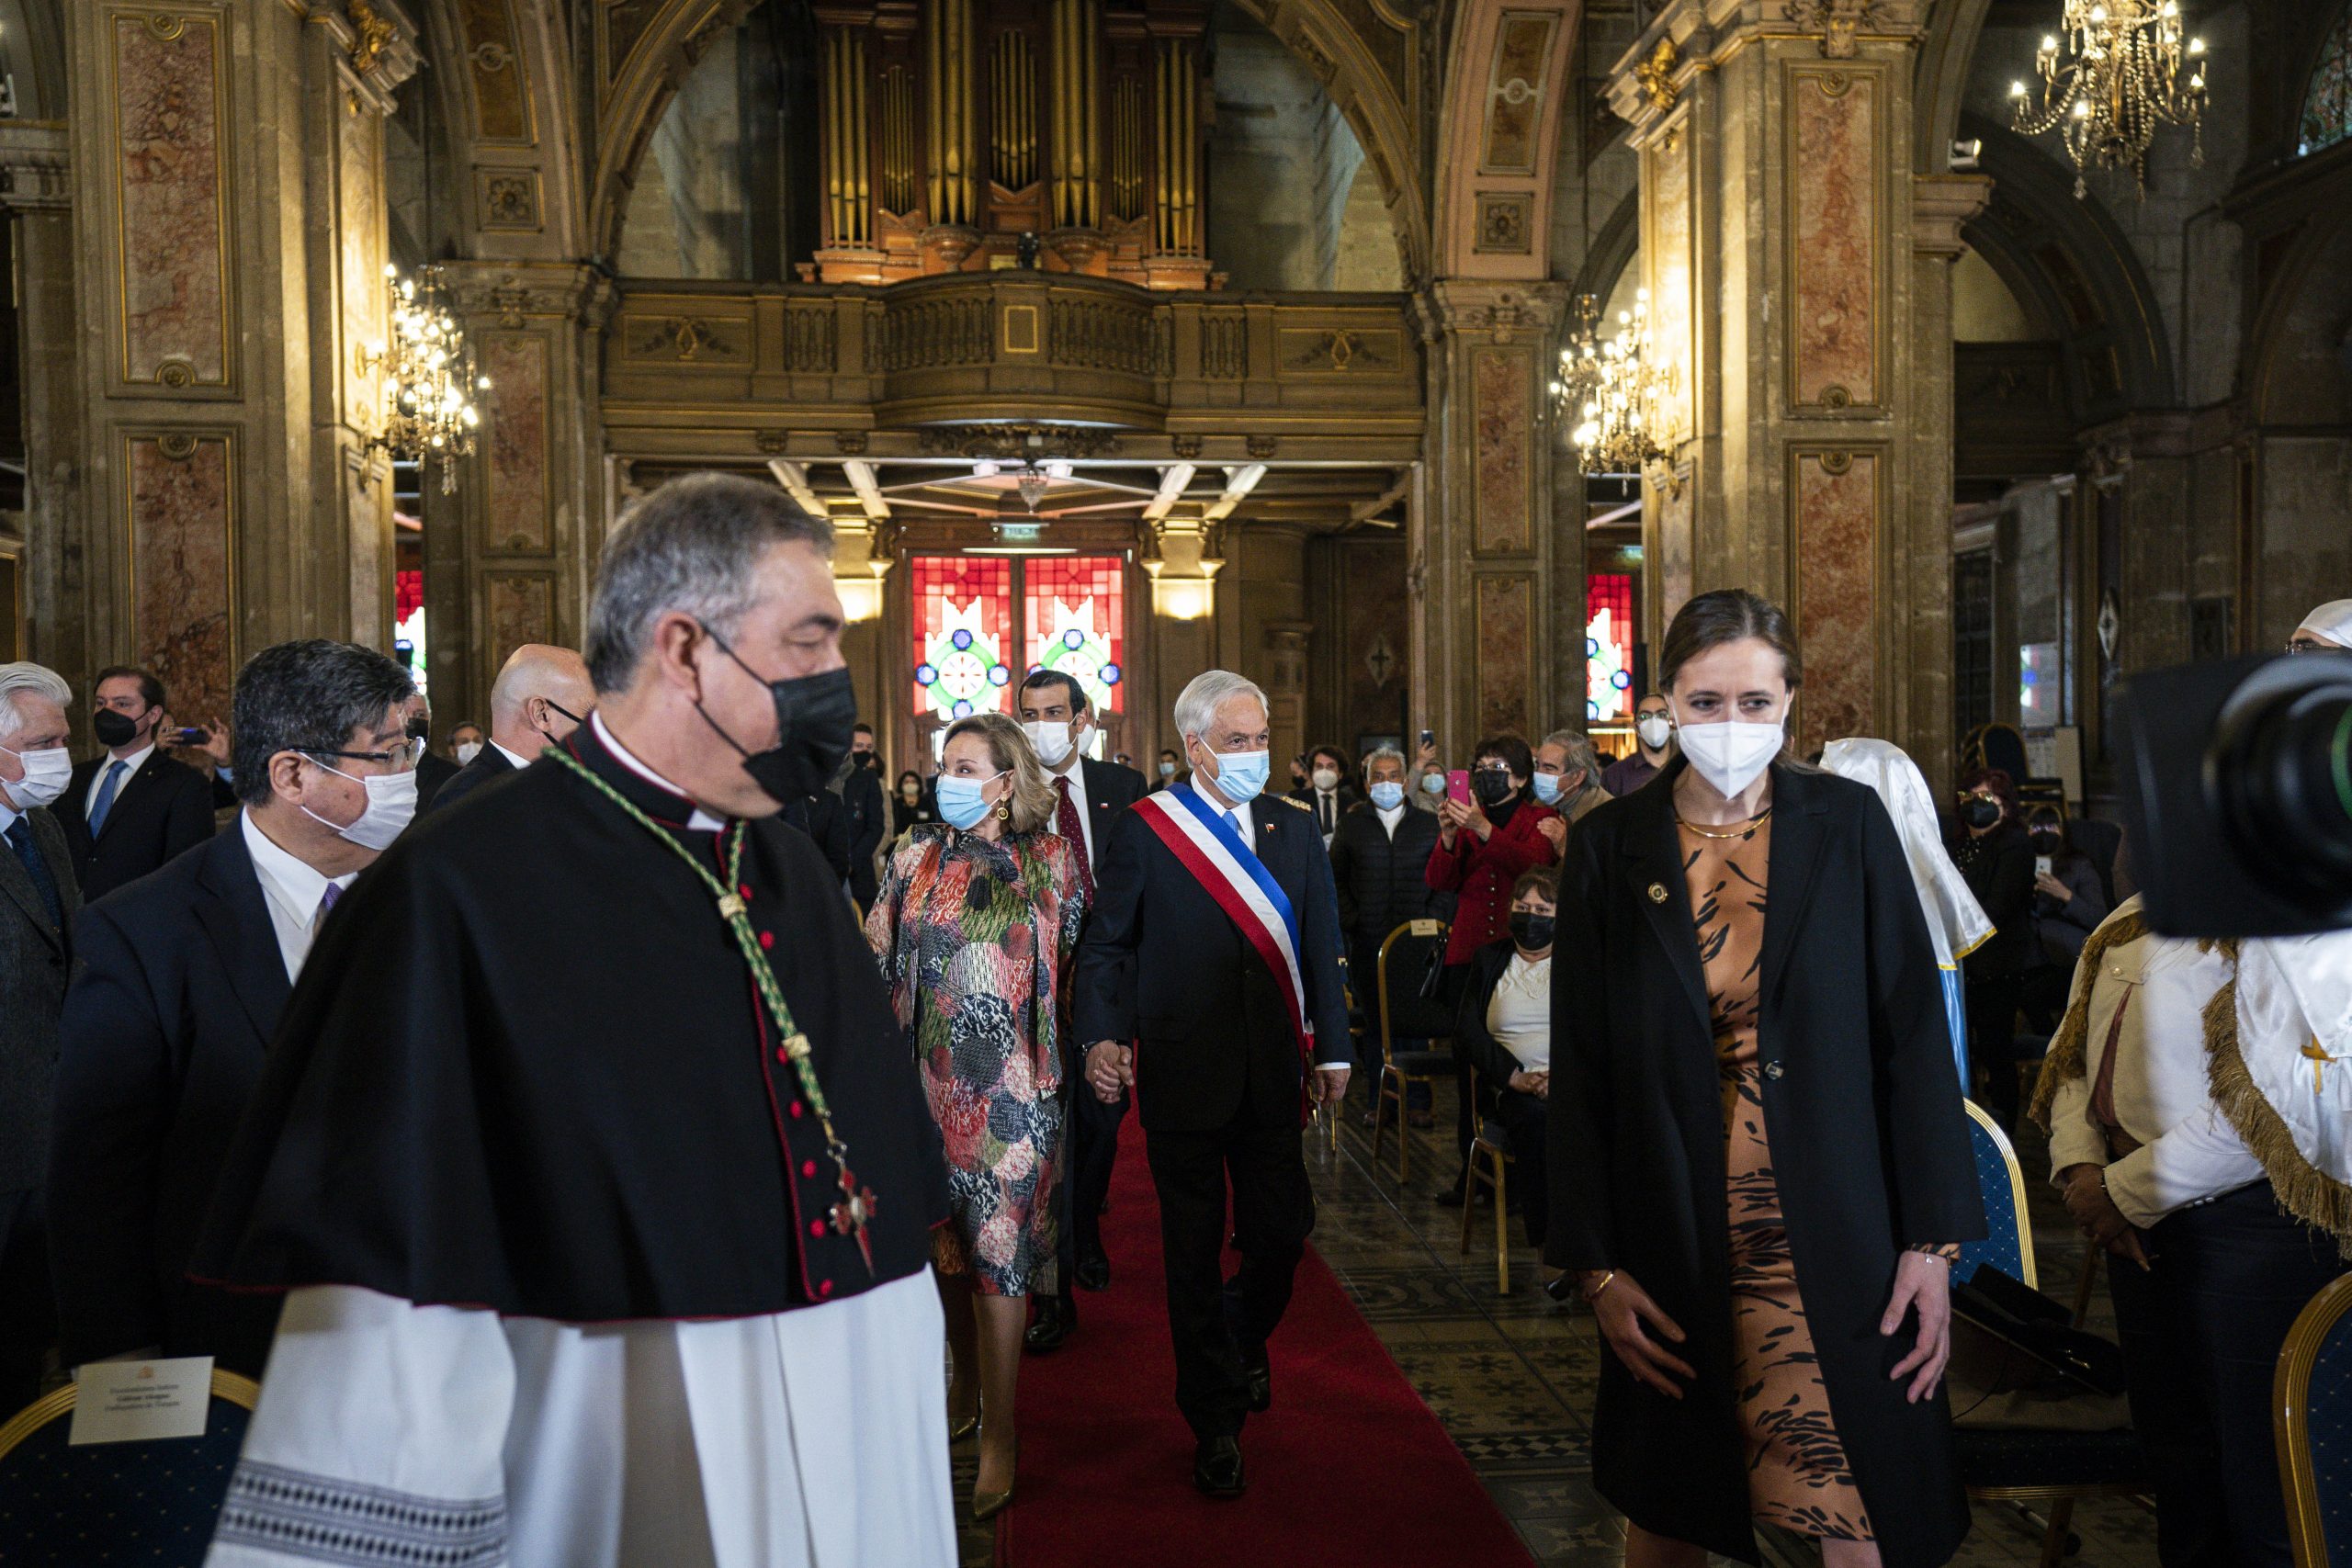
(396, 1434)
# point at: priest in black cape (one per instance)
(597, 1173)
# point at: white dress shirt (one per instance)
(1391, 818)
(2189, 1153)
(1325, 801)
(1076, 774)
(700, 822)
(520, 760)
(1519, 1014)
(291, 888)
(131, 765)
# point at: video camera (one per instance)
(2236, 779)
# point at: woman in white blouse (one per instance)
(1504, 1028)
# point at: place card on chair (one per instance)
(125, 1402)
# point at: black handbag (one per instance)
(2021, 1338)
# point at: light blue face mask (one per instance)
(1547, 787)
(1387, 794)
(961, 802)
(1434, 783)
(1241, 775)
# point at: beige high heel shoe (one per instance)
(987, 1506)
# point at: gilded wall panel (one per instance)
(518, 607)
(1338, 351)
(1672, 547)
(170, 80)
(1505, 427)
(1506, 655)
(1835, 237)
(1665, 245)
(180, 523)
(516, 503)
(1838, 497)
(1515, 93)
(359, 260)
(501, 97)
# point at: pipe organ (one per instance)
(953, 128)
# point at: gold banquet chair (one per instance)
(153, 1504)
(1490, 1160)
(1422, 941)
(2311, 1412)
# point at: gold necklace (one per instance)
(1739, 832)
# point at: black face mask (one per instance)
(1491, 786)
(1531, 931)
(2048, 842)
(420, 728)
(1979, 811)
(813, 716)
(112, 728)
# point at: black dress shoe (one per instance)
(1259, 1375)
(1216, 1467)
(1093, 1271)
(1057, 1318)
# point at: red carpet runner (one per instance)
(1349, 1469)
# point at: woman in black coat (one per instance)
(1996, 859)
(1742, 1101)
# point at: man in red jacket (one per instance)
(1482, 847)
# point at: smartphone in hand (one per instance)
(1457, 786)
(2042, 865)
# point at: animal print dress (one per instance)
(1797, 1477)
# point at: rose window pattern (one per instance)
(1609, 648)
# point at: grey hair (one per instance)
(692, 546)
(1386, 754)
(1197, 704)
(40, 681)
(1579, 747)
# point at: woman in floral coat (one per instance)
(976, 919)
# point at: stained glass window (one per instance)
(1074, 609)
(963, 634)
(1609, 646)
(2327, 106)
(408, 623)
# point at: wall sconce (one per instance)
(1184, 598)
(861, 598)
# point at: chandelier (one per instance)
(1034, 479)
(1614, 392)
(429, 378)
(2113, 81)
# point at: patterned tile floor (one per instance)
(1511, 1376)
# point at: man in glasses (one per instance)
(541, 695)
(184, 975)
(2327, 629)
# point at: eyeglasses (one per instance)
(399, 761)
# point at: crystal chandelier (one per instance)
(1614, 392)
(429, 378)
(2116, 77)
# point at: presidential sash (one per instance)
(1197, 834)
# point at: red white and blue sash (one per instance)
(1197, 834)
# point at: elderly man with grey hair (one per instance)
(1567, 779)
(1215, 943)
(38, 900)
(602, 1057)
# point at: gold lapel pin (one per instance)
(1657, 892)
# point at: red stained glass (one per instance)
(964, 657)
(1074, 612)
(1609, 646)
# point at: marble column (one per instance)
(230, 235)
(1800, 293)
(511, 553)
(1495, 600)
(51, 554)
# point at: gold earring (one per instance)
(1003, 812)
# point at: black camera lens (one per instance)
(2280, 773)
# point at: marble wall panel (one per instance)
(359, 260)
(1500, 386)
(1506, 655)
(1835, 240)
(181, 518)
(1837, 498)
(1376, 637)
(519, 608)
(1667, 258)
(517, 364)
(170, 82)
(1672, 548)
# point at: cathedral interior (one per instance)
(1146, 336)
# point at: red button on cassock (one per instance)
(767, 939)
(746, 891)
(824, 1287)
(782, 1055)
(809, 1170)
(816, 1227)
(796, 1104)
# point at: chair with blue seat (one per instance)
(2050, 1465)
(153, 1504)
(1411, 951)
(2312, 1411)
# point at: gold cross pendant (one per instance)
(851, 1214)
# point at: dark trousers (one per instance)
(1090, 1147)
(1212, 1321)
(1522, 1117)
(2201, 1331)
(1992, 1040)
(27, 1302)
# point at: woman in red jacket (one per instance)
(1481, 850)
